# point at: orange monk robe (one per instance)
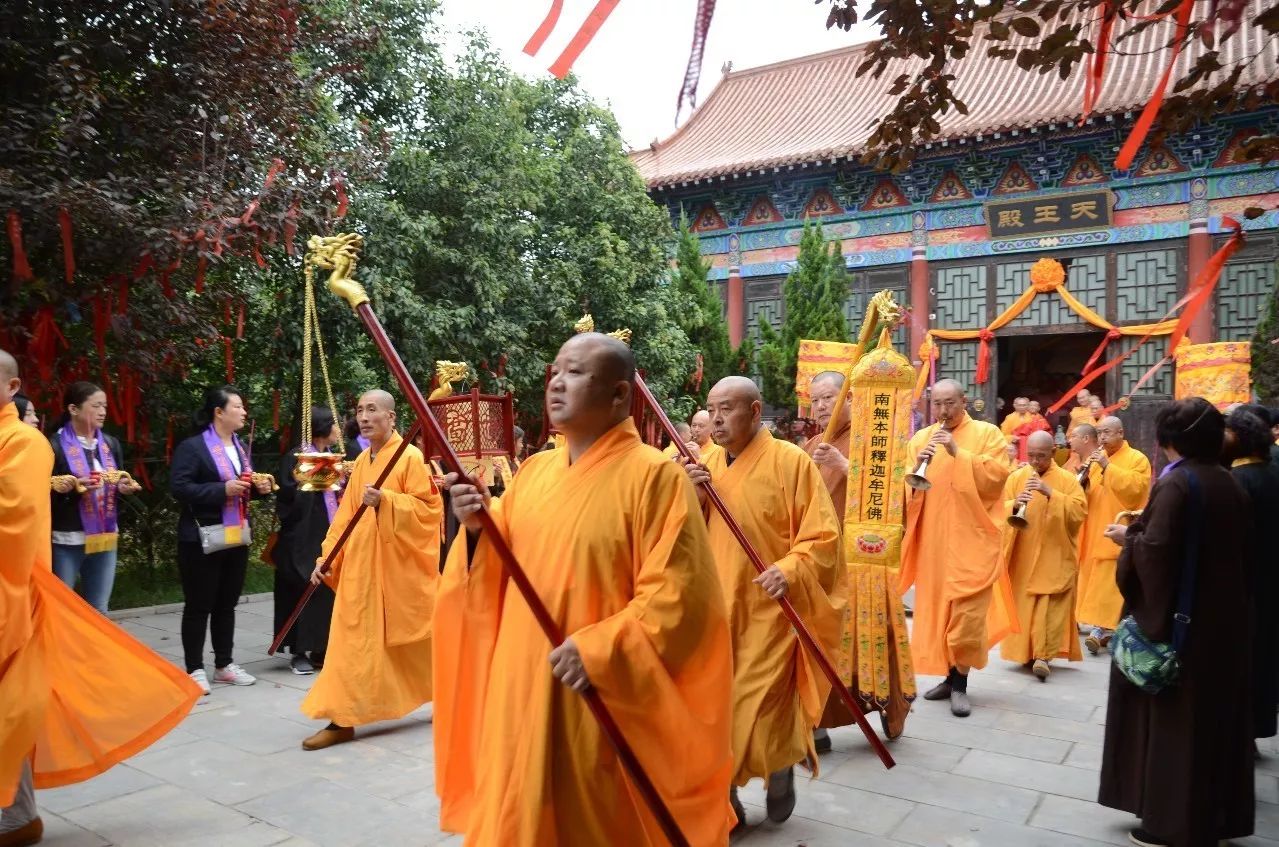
(704, 452)
(950, 551)
(836, 482)
(1015, 419)
(1122, 487)
(624, 568)
(1073, 464)
(1042, 564)
(1080, 415)
(1035, 424)
(776, 494)
(77, 693)
(378, 665)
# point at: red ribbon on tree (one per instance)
(68, 256)
(339, 186)
(122, 299)
(291, 226)
(983, 356)
(1142, 127)
(200, 266)
(239, 323)
(21, 267)
(257, 253)
(45, 339)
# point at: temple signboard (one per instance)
(1051, 215)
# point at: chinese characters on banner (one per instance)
(880, 395)
(1032, 216)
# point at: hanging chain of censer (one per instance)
(315, 471)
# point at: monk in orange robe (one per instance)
(832, 462)
(700, 424)
(1082, 412)
(1118, 481)
(65, 715)
(378, 665)
(613, 541)
(950, 551)
(1019, 416)
(1083, 444)
(685, 436)
(776, 493)
(1042, 558)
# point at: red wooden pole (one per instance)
(346, 533)
(552, 630)
(805, 637)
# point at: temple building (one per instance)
(1018, 178)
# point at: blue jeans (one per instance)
(96, 572)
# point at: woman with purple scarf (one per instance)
(304, 521)
(85, 505)
(210, 478)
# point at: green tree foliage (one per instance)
(700, 313)
(814, 294)
(1265, 353)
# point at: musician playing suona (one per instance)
(777, 495)
(624, 569)
(378, 663)
(701, 427)
(1041, 558)
(1118, 481)
(64, 714)
(1083, 443)
(950, 551)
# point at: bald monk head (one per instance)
(10, 383)
(684, 431)
(700, 426)
(592, 382)
(823, 392)
(1083, 441)
(735, 406)
(375, 413)
(1082, 397)
(1095, 406)
(1039, 451)
(1020, 404)
(949, 402)
(1033, 407)
(1110, 432)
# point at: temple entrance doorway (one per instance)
(1042, 367)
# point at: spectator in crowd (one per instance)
(212, 479)
(85, 495)
(1247, 449)
(26, 410)
(304, 520)
(1182, 759)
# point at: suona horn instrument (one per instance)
(1017, 520)
(918, 478)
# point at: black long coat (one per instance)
(304, 521)
(1182, 760)
(1260, 481)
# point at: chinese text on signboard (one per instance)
(1053, 215)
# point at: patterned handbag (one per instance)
(1152, 665)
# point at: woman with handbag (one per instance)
(1178, 745)
(85, 494)
(211, 477)
(304, 520)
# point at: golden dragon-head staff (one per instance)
(339, 254)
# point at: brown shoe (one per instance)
(1041, 670)
(940, 691)
(328, 737)
(24, 836)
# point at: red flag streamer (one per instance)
(693, 73)
(122, 299)
(277, 165)
(230, 360)
(68, 256)
(983, 356)
(21, 267)
(548, 23)
(339, 186)
(1142, 128)
(561, 66)
(1112, 335)
(200, 266)
(1097, 67)
(257, 253)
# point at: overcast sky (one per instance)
(636, 62)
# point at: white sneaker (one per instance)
(201, 679)
(233, 674)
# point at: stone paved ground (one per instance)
(1022, 772)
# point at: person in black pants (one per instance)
(208, 478)
(304, 521)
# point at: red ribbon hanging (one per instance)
(201, 266)
(693, 72)
(1097, 67)
(339, 186)
(1142, 127)
(68, 257)
(239, 323)
(122, 299)
(277, 165)
(45, 339)
(561, 66)
(544, 30)
(145, 263)
(983, 356)
(257, 253)
(21, 267)
(1112, 335)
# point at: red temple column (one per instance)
(736, 307)
(1198, 251)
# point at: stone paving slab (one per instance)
(1021, 772)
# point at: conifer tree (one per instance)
(699, 311)
(1265, 353)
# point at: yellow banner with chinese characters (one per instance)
(880, 397)
(815, 357)
(1219, 372)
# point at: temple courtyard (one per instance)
(1021, 771)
